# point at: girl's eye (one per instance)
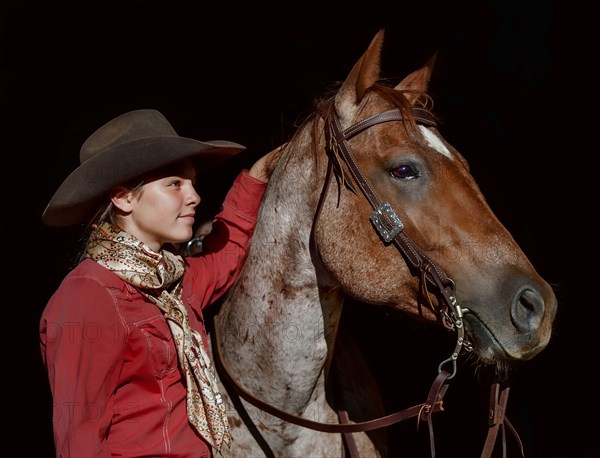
(404, 172)
(175, 183)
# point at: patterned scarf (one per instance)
(158, 277)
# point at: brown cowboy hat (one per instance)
(124, 148)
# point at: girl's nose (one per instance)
(196, 199)
(193, 197)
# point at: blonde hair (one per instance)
(109, 213)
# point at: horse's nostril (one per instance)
(527, 310)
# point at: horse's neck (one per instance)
(279, 323)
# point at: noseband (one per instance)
(433, 281)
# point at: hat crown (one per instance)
(131, 126)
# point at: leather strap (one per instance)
(424, 410)
(497, 420)
(348, 437)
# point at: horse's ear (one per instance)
(417, 81)
(363, 75)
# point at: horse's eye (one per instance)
(404, 172)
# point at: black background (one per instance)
(515, 84)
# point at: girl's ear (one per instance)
(122, 198)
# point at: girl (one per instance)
(123, 337)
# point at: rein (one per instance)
(390, 228)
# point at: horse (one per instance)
(368, 202)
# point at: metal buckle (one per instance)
(193, 247)
(386, 222)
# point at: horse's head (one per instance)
(508, 307)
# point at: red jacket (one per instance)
(112, 364)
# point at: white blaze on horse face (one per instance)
(434, 141)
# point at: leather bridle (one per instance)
(387, 223)
(433, 281)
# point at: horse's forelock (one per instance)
(399, 100)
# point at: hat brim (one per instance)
(77, 198)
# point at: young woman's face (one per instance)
(163, 210)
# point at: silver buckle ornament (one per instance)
(386, 222)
